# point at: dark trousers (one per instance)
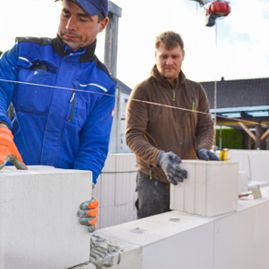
(153, 196)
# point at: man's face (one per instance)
(77, 29)
(169, 61)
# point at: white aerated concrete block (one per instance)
(38, 223)
(115, 190)
(243, 181)
(170, 240)
(211, 188)
(242, 157)
(254, 162)
(258, 165)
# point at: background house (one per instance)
(242, 105)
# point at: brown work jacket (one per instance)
(160, 117)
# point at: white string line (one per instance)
(136, 100)
(53, 87)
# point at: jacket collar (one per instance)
(86, 54)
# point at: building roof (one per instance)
(238, 93)
(242, 99)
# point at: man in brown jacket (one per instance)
(167, 119)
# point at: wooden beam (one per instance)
(253, 136)
(264, 135)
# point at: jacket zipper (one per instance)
(193, 105)
(173, 95)
(150, 173)
(72, 102)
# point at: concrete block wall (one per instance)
(116, 185)
(175, 239)
(65, 243)
(38, 218)
(115, 190)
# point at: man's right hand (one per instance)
(170, 164)
(207, 155)
(8, 150)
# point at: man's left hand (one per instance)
(207, 155)
(88, 214)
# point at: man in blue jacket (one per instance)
(63, 98)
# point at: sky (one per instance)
(236, 48)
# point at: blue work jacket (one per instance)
(63, 102)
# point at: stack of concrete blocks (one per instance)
(115, 190)
(253, 162)
(38, 218)
(211, 188)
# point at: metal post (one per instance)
(111, 38)
(110, 59)
(215, 103)
(215, 90)
(220, 137)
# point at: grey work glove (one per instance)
(170, 164)
(207, 155)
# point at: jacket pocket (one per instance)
(33, 93)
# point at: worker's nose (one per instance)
(71, 23)
(169, 60)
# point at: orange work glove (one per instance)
(9, 151)
(88, 214)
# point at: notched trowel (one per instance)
(254, 190)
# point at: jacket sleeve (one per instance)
(137, 137)
(95, 136)
(204, 129)
(8, 76)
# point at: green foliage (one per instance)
(231, 138)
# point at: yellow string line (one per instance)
(136, 100)
(196, 111)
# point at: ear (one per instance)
(102, 24)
